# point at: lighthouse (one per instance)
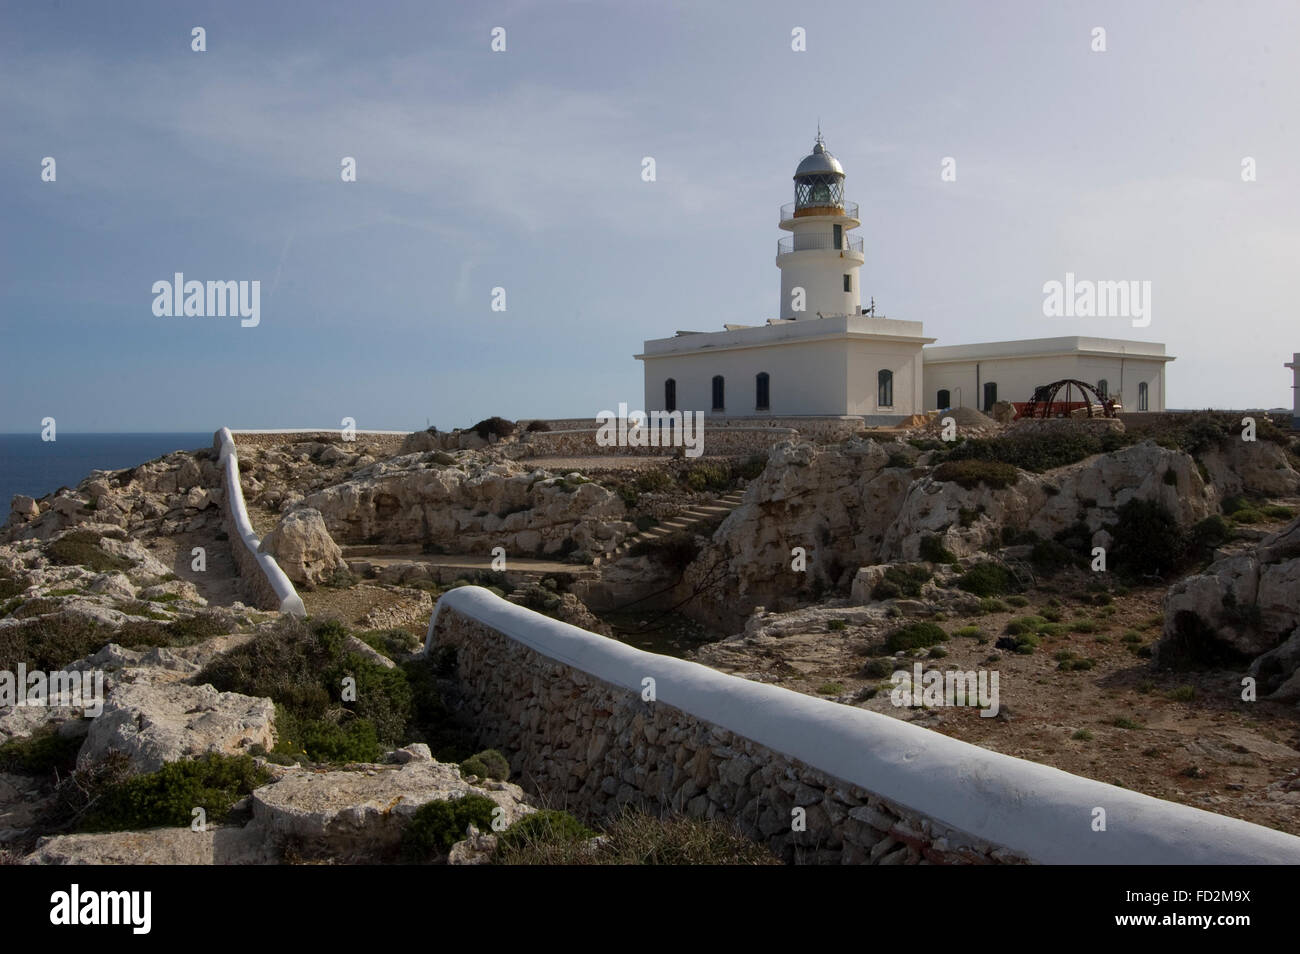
(820, 260)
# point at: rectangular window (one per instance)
(990, 395)
(1142, 396)
(848, 283)
(839, 235)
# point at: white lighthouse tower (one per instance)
(819, 263)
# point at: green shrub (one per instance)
(969, 632)
(1017, 601)
(1183, 694)
(901, 580)
(539, 830)
(1077, 665)
(493, 425)
(933, 550)
(1148, 540)
(487, 764)
(438, 825)
(987, 579)
(830, 689)
(1014, 536)
(914, 636)
(1082, 735)
(1026, 643)
(937, 652)
(1025, 624)
(834, 625)
(990, 605)
(1233, 504)
(391, 642)
(1050, 557)
(971, 473)
(322, 740)
(41, 753)
(711, 475)
(877, 668)
(1123, 722)
(169, 795)
(81, 548)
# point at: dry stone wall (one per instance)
(570, 709)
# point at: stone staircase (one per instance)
(689, 519)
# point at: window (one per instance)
(944, 400)
(990, 395)
(839, 235)
(718, 393)
(761, 395)
(670, 395)
(885, 389)
(1103, 389)
(848, 283)
(1142, 396)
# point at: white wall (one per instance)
(1016, 378)
(1040, 812)
(805, 378)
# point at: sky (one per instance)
(522, 170)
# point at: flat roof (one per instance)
(788, 332)
(1040, 347)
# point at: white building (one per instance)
(825, 357)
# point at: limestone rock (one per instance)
(24, 507)
(1240, 607)
(303, 547)
(153, 723)
(360, 814)
(218, 845)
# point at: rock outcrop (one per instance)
(857, 504)
(1243, 608)
(153, 723)
(472, 506)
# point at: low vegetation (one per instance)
(169, 796)
(302, 666)
(634, 838)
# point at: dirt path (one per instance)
(219, 584)
(1186, 737)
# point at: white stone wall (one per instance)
(271, 589)
(569, 709)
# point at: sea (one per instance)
(29, 465)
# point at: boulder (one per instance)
(153, 723)
(303, 547)
(361, 814)
(24, 507)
